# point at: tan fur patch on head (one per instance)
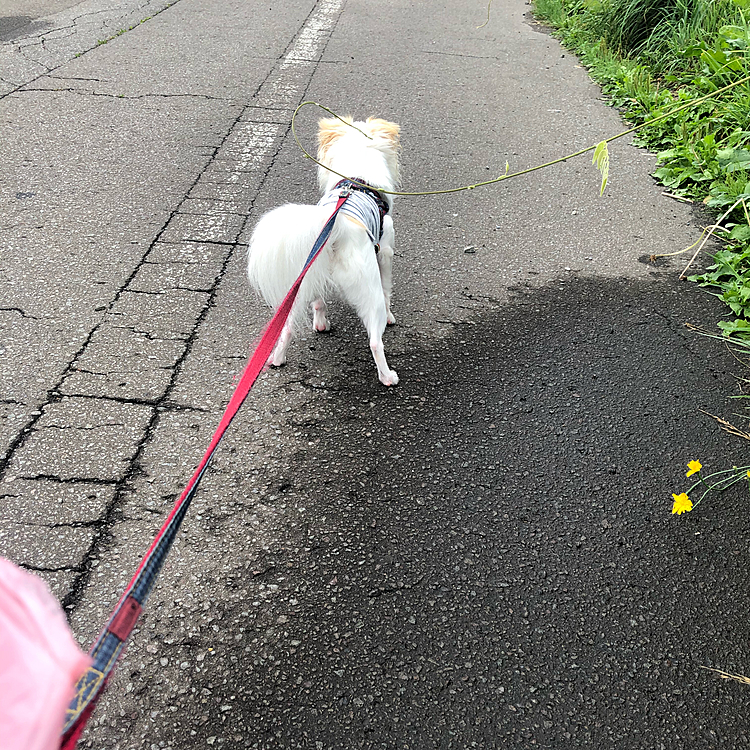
(328, 131)
(384, 129)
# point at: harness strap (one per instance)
(111, 642)
(362, 187)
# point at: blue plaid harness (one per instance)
(365, 204)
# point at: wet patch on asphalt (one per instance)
(485, 555)
(12, 27)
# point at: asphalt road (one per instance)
(481, 557)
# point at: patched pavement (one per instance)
(481, 557)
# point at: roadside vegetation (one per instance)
(651, 56)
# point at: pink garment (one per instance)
(39, 662)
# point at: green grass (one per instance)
(653, 55)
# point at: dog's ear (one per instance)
(384, 129)
(328, 131)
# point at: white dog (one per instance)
(357, 261)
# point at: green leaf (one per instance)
(670, 153)
(741, 233)
(733, 159)
(721, 199)
(736, 36)
(738, 326)
(601, 160)
(715, 59)
(664, 173)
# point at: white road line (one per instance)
(251, 143)
(308, 43)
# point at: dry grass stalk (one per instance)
(727, 676)
(677, 197)
(727, 426)
(712, 229)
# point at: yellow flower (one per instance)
(693, 468)
(682, 503)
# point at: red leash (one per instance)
(111, 642)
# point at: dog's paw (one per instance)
(320, 319)
(276, 360)
(389, 377)
(391, 319)
(322, 326)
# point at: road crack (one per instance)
(123, 487)
(20, 311)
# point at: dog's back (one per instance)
(279, 246)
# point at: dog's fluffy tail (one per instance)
(279, 246)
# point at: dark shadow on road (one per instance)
(12, 27)
(489, 558)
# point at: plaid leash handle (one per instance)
(110, 644)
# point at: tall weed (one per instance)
(651, 56)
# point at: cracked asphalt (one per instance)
(481, 557)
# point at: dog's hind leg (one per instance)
(385, 374)
(278, 356)
(320, 318)
(360, 286)
(385, 264)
